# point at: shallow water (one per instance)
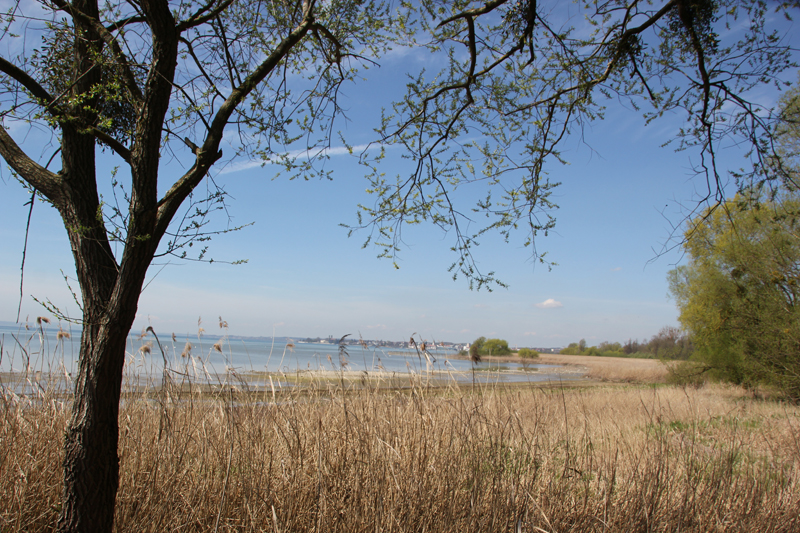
(39, 350)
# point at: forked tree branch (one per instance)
(209, 153)
(25, 79)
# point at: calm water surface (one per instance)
(41, 350)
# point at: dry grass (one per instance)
(454, 459)
(619, 369)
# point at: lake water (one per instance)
(41, 350)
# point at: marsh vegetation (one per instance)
(350, 455)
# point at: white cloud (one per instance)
(529, 334)
(549, 304)
(300, 154)
(616, 269)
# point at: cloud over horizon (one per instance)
(549, 304)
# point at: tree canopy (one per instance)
(669, 343)
(738, 293)
(483, 346)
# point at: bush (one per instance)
(495, 347)
(687, 373)
(483, 346)
(572, 349)
(475, 349)
(528, 353)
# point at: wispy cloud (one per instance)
(529, 334)
(299, 154)
(549, 304)
(617, 269)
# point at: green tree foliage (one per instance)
(738, 294)
(483, 346)
(572, 349)
(476, 348)
(527, 353)
(669, 343)
(521, 76)
(495, 347)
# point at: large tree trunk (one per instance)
(91, 463)
(110, 295)
(110, 299)
(110, 285)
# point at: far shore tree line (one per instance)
(670, 343)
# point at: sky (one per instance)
(622, 197)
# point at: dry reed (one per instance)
(454, 459)
(617, 369)
(212, 453)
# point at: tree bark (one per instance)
(110, 300)
(91, 463)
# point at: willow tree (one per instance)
(739, 293)
(151, 81)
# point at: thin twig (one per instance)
(24, 252)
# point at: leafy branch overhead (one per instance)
(521, 77)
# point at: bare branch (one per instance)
(39, 177)
(204, 14)
(209, 153)
(471, 13)
(24, 79)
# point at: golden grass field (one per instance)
(618, 369)
(336, 457)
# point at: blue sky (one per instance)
(620, 197)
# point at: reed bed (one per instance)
(457, 458)
(617, 369)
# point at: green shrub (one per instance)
(528, 353)
(495, 347)
(483, 346)
(688, 373)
